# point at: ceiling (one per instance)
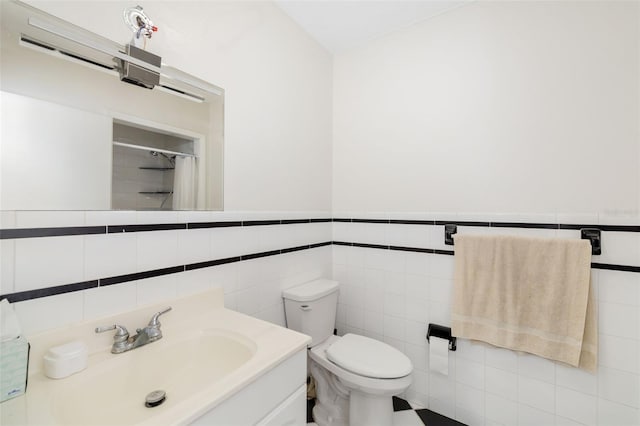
(340, 25)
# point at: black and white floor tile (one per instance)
(405, 415)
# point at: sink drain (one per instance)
(155, 398)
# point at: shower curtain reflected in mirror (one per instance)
(185, 183)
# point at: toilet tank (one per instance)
(310, 308)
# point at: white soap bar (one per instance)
(65, 360)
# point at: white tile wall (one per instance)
(7, 264)
(253, 287)
(619, 386)
(110, 300)
(158, 249)
(529, 416)
(110, 255)
(156, 289)
(103, 217)
(614, 414)
(49, 219)
(50, 312)
(536, 393)
(194, 245)
(488, 385)
(620, 320)
(576, 406)
(389, 295)
(619, 353)
(501, 383)
(45, 262)
(500, 410)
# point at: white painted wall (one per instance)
(493, 107)
(495, 111)
(277, 83)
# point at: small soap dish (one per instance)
(65, 360)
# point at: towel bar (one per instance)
(449, 230)
(593, 235)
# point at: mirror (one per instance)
(76, 137)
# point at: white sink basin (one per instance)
(113, 391)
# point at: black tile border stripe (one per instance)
(51, 291)
(463, 223)
(7, 234)
(294, 221)
(412, 249)
(120, 279)
(525, 225)
(611, 228)
(292, 249)
(530, 225)
(372, 246)
(17, 233)
(208, 263)
(445, 252)
(112, 229)
(610, 267)
(201, 225)
(412, 222)
(370, 220)
(259, 255)
(261, 222)
(140, 275)
(316, 245)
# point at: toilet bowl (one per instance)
(369, 398)
(355, 376)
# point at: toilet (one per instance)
(355, 376)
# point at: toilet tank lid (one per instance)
(311, 291)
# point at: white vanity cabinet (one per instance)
(292, 412)
(277, 398)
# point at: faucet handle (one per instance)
(153, 322)
(121, 331)
(120, 339)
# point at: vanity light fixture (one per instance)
(76, 38)
(96, 66)
(61, 54)
(166, 72)
(180, 93)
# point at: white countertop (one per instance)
(189, 317)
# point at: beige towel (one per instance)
(526, 294)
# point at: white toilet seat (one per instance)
(370, 385)
(369, 357)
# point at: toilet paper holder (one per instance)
(442, 332)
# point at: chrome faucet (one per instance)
(122, 342)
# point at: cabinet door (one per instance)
(292, 411)
(258, 402)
